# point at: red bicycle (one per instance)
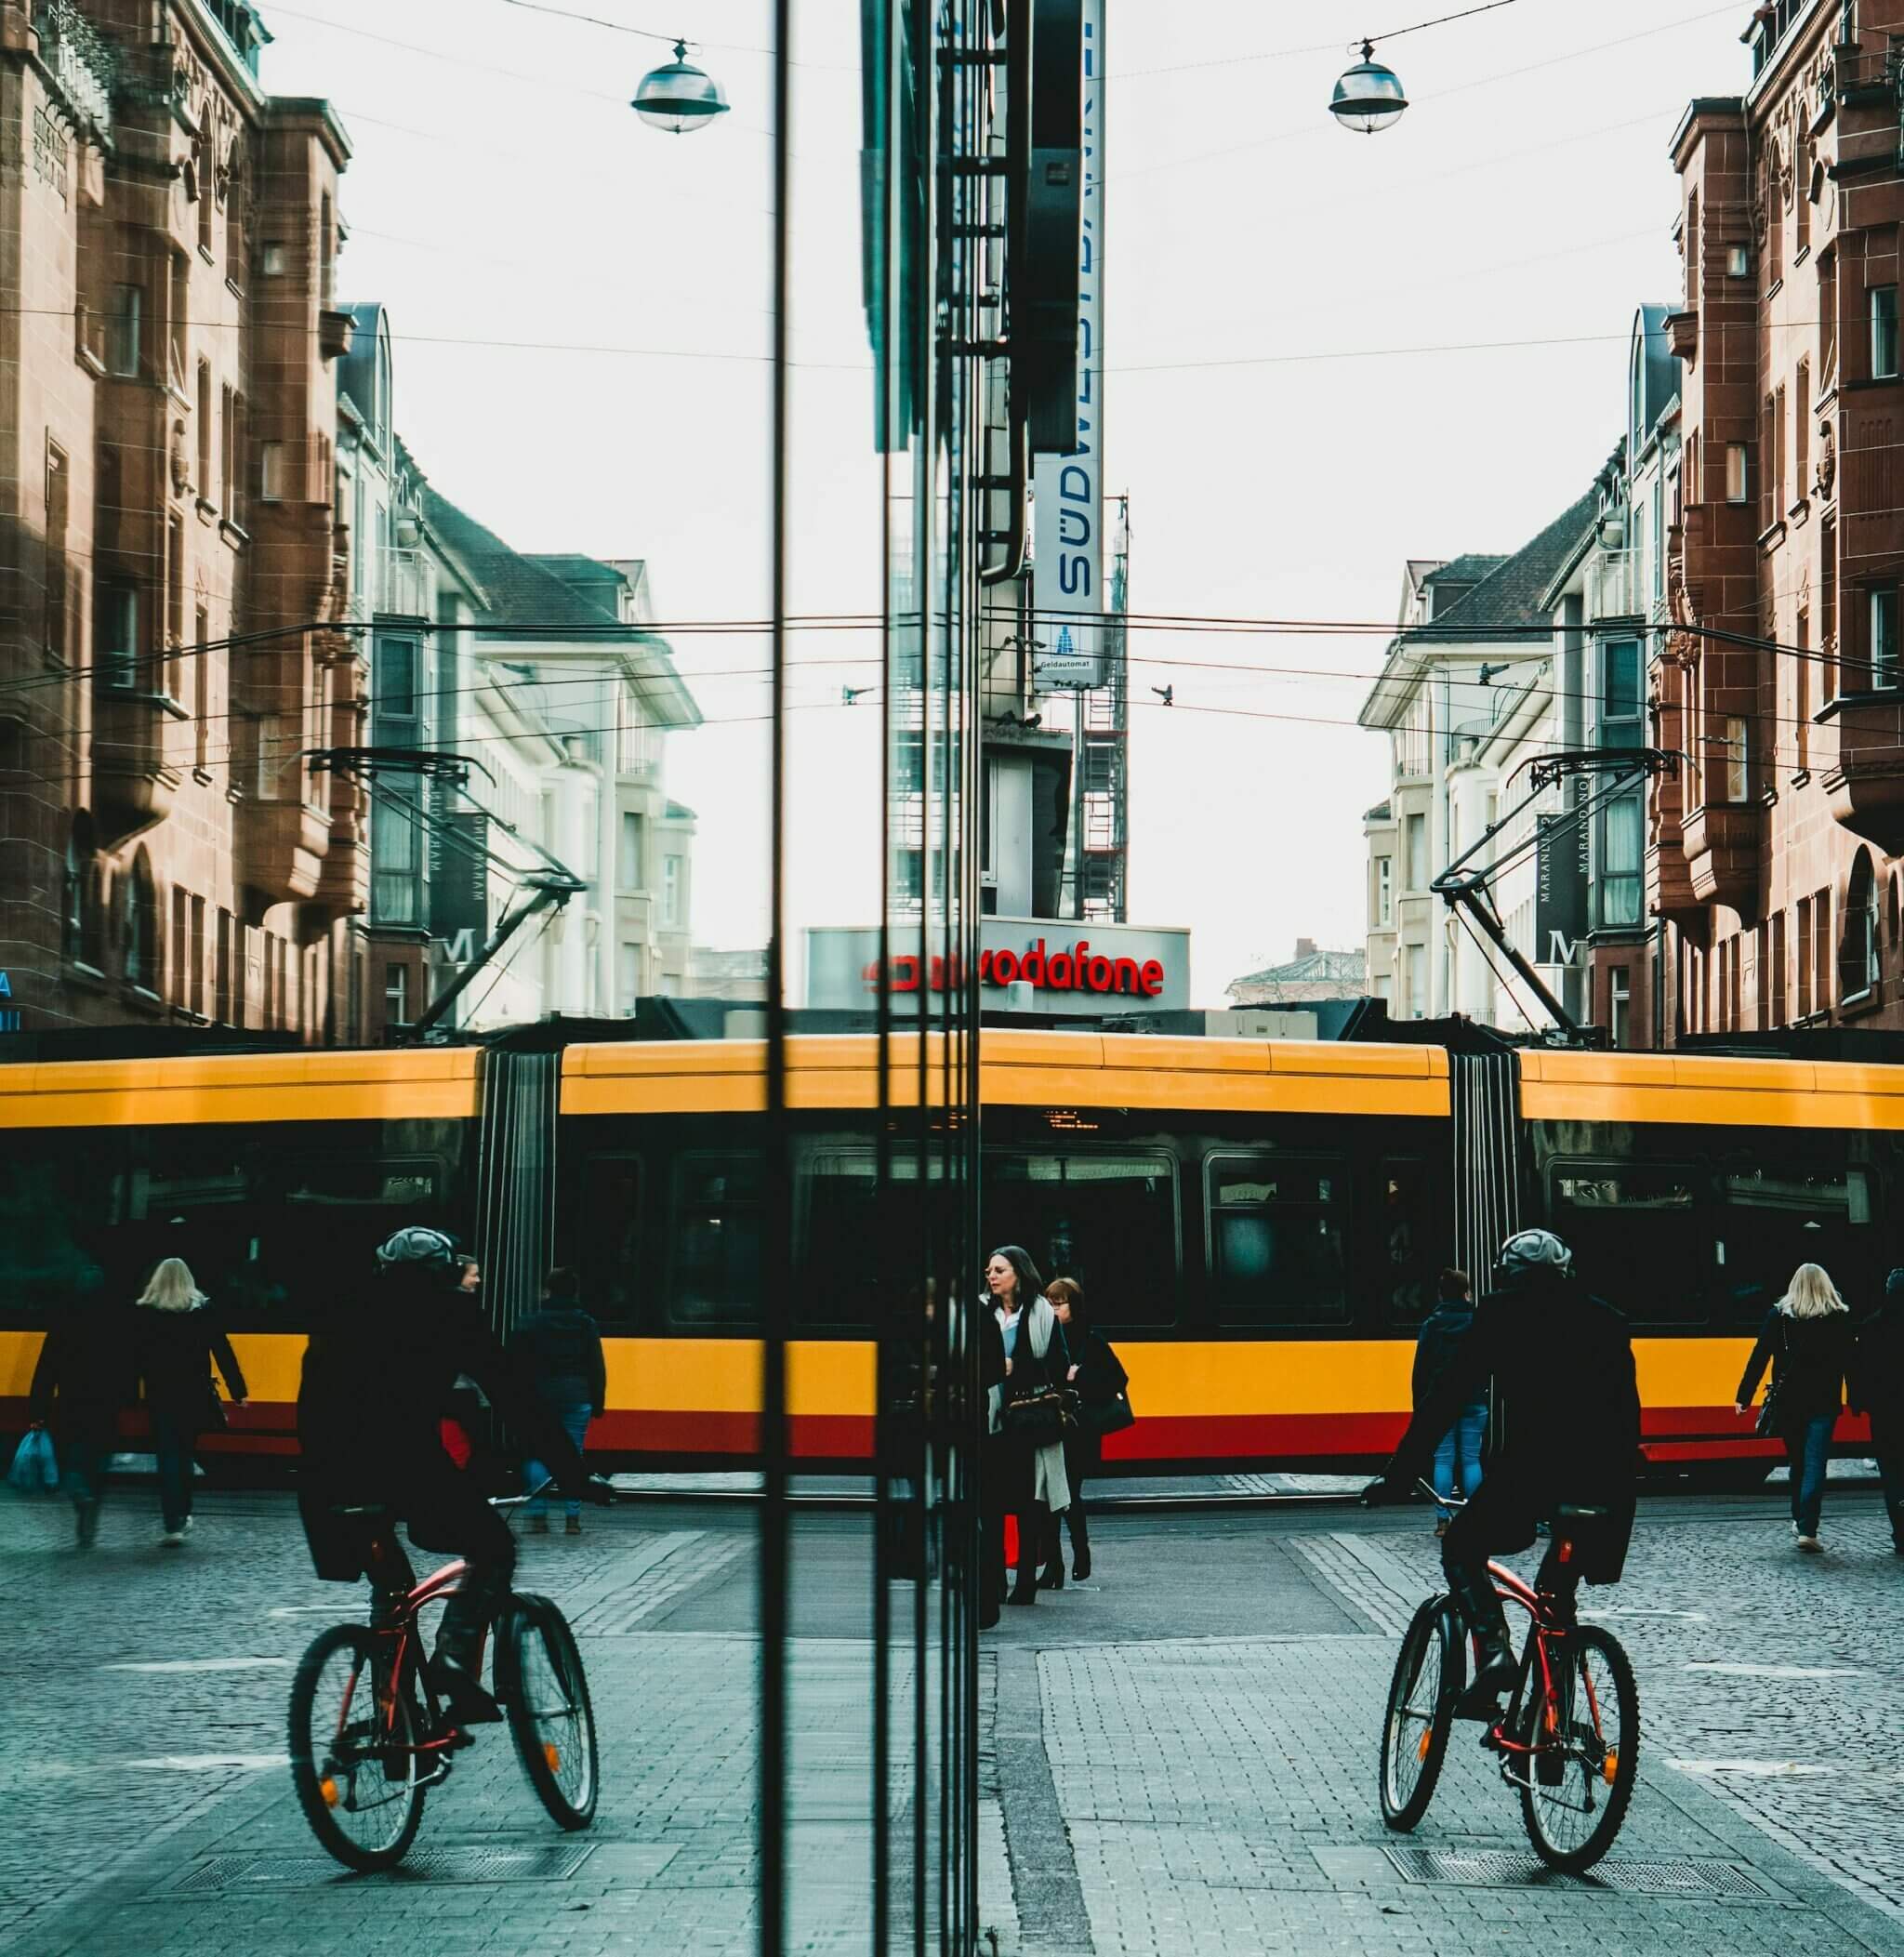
(369, 1736)
(1569, 1741)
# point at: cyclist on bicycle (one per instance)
(377, 1375)
(1565, 1434)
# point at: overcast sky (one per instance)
(1328, 353)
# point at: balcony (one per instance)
(1721, 845)
(1866, 787)
(83, 63)
(134, 783)
(334, 330)
(1683, 336)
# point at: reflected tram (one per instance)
(1257, 1225)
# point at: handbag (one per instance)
(1043, 1416)
(1110, 1416)
(34, 1468)
(216, 1419)
(1767, 1423)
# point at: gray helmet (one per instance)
(1530, 1250)
(420, 1251)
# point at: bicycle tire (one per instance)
(326, 1786)
(1414, 1736)
(1612, 1764)
(551, 1716)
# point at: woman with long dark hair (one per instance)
(1097, 1376)
(1027, 1476)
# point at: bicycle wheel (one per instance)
(550, 1716)
(1421, 1701)
(1576, 1796)
(353, 1750)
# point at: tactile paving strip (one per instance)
(1718, 1882)
(438, 1865)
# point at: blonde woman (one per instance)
(176, 1342)
(1807, 1338)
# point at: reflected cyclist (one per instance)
(377, 1373)
(1566, 1431)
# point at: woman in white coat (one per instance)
(1027, 1478)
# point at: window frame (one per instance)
(1340, 1171)
(1694, 1169)
(1880, 310)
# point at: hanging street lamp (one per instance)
(1368, 96)
(679, 96)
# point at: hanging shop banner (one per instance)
(459, 877)
(1560, 880)
(1069, 491)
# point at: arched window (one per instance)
(139, 923)
(1861, 950)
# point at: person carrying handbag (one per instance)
(1807, 1338)
(177, 1342)
(1028, 1447)
(1098, 1378)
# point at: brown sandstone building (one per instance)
(1773, 864)
(172, 574)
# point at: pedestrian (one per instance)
(83, 1379)
(1808, 1337)
(1457, 1470)
(1031, 1453)
(991, 1469)
(561, 1349)
(1097, 1375)
(176, 1339)
(1877, 1383)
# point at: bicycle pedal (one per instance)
(456, 1741)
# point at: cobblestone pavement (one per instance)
(1177, 1755)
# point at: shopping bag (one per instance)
(34, 1471)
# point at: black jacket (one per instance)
(1437, 1344)
(1568, 1404)
(1877, 1371)
(175, 1351)
(562, 1350)
(1101, 1374)
(1809, 1358)
(378, 1374)
(85, 1375)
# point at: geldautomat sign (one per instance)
(1028, 964)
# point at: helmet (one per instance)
(1530, 1250)
(418, 1251)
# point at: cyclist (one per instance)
(1565, 1430)
(377, 1377)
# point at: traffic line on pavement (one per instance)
(1739, 1670)
(210, 1762)
(199, 1664)
(1682, 1616)
(1755, 1769)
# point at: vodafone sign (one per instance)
(1033, 965)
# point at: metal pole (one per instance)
(1080, 698)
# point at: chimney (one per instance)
(1306, 947)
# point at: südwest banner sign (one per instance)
(1028, 964)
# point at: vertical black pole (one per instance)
(779, 1203)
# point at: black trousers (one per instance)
(1497, 1521)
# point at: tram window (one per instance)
(851, 1241)
(614, 1270)
(1411, 1241)
(1637, 1238)
(1772, 1220)
(715, 1237)
(1276, 1232)
(1108, 1220)
(55, 1191)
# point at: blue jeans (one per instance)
(1808, 1448)
(574, 1423)
(1460, 1446)
(172, 1450)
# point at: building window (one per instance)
(1621, 828)
(1775, 960)
(629, 866)
(1385, 891)
(200, 686)
(204, 486)
(1738, 760)
(180, 309)
(627, 977)
(396, 995)
(396, 692)
(228, 452)
(197, 1002)
(1416, 830)
(1738, 262)
(274, 261)
(1821, 950)
(1620, 689)
(175, 606)
(124, 330)
(395, 857)
(1415, 983)
(1619, 1005)
(1801, 693)
(270, 472)
(1736, 472)
(79, 915)
(1884, 332)
(140, 921)
(1859, 955)
(1828, 315)
(1802, 936)
(670, 891)
(1801, 194)
(1780, 437)
(115, 637)
(58, 506)
(1768, 464)
(1884, 637)
(1801, 433)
